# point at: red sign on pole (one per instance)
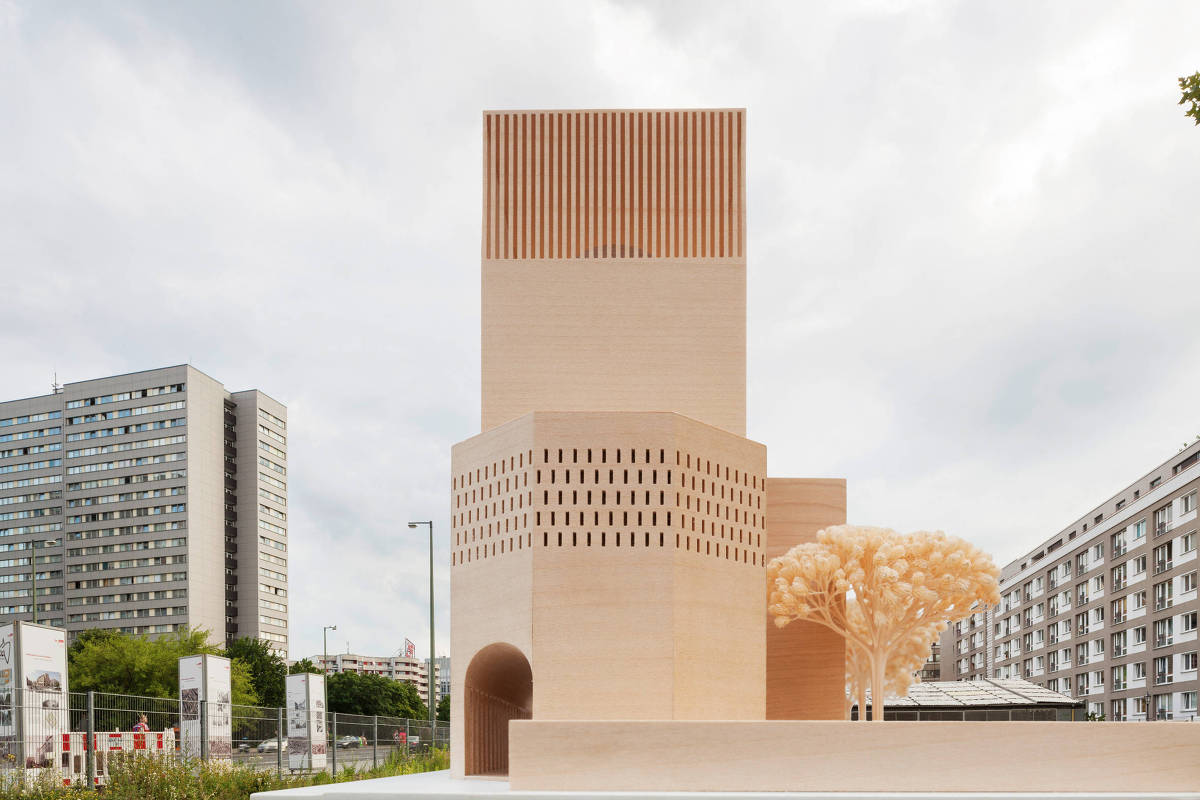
(410, 649)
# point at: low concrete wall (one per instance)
(828, 756)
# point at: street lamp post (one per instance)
(432, 652)
(325, 648)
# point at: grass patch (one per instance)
(153, 777)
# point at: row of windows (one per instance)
(127, 597)
(104, 466)
(128, 530)
(28, 418)
(28, 465)
(275, 451)
(36, 433)
(126, 497)
(29, 450)
(104, 566)
(682, 460)
(134, 395)
(101, 433)
(24, 529)
(19, 577)
(123, 446)
(145, 477)
(125, 547)
(273, 528)
(128, 613)
(272, 543)
(126, 412)
(272, 496)
(276, 621)
(272, 606)
(265, 431)
(270, 559)
(24, 482)
(267, 479)
(269, 417)
(128, 580)
(271, 512)
(273, 637)
(33, 512)
(267, 573)
(269, 464)
(149, 511)
(275, 590)
(30, 498)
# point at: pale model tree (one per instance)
(902, 666)
(880, 590)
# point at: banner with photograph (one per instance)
(191, 692)
(306, 736)
(8, 682)
(43, 671)
(218, 685)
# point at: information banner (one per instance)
(43, 670)
(306, 738)
(8, 682)
(191, 692)
(205, 679)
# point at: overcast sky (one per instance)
(973, 274)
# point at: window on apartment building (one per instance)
(1163, 706)
(1187, 622)
(1187, 583)
(1119, 640)
(1120, 574)
(1187, 661)
(1163, 595)
(1098, 584)
(1118, 710)
(1163, 672)
(1139, 529)
(1139, 565)
(1187, 542)
(1139, 670)
(1119, 542)
(1187, 503)
(1162, 519)
(1139, 600)
(1163, 558)
(1139, 634)
(1187, 701)
(1164, 632)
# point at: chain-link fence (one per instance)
(77, 736)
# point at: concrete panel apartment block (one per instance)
(143, 496)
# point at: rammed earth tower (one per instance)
(145, 503)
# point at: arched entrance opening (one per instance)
(498, 688)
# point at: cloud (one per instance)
(970, 229)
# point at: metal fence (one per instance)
(78, 735)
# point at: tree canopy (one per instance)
(118, 663)
(443, 708)
(1190, 87)
(304, 665)
(267, 669)
(352, 693)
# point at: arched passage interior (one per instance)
(498, 688)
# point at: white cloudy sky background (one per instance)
(973, 283)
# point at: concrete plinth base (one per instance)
(440, 786)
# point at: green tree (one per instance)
(302, 666)
(443, 709)
(351, 693)
(266, 668)
(118, 663)
(1190, 87)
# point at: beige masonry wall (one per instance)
(824, 756)
(613, 263)
(805, 661)
(624, 559)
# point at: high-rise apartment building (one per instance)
(1106, 609)
(145, 503)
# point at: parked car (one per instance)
(349, 741)
(270, 745)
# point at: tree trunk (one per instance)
(862, 698)
(878, 692)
